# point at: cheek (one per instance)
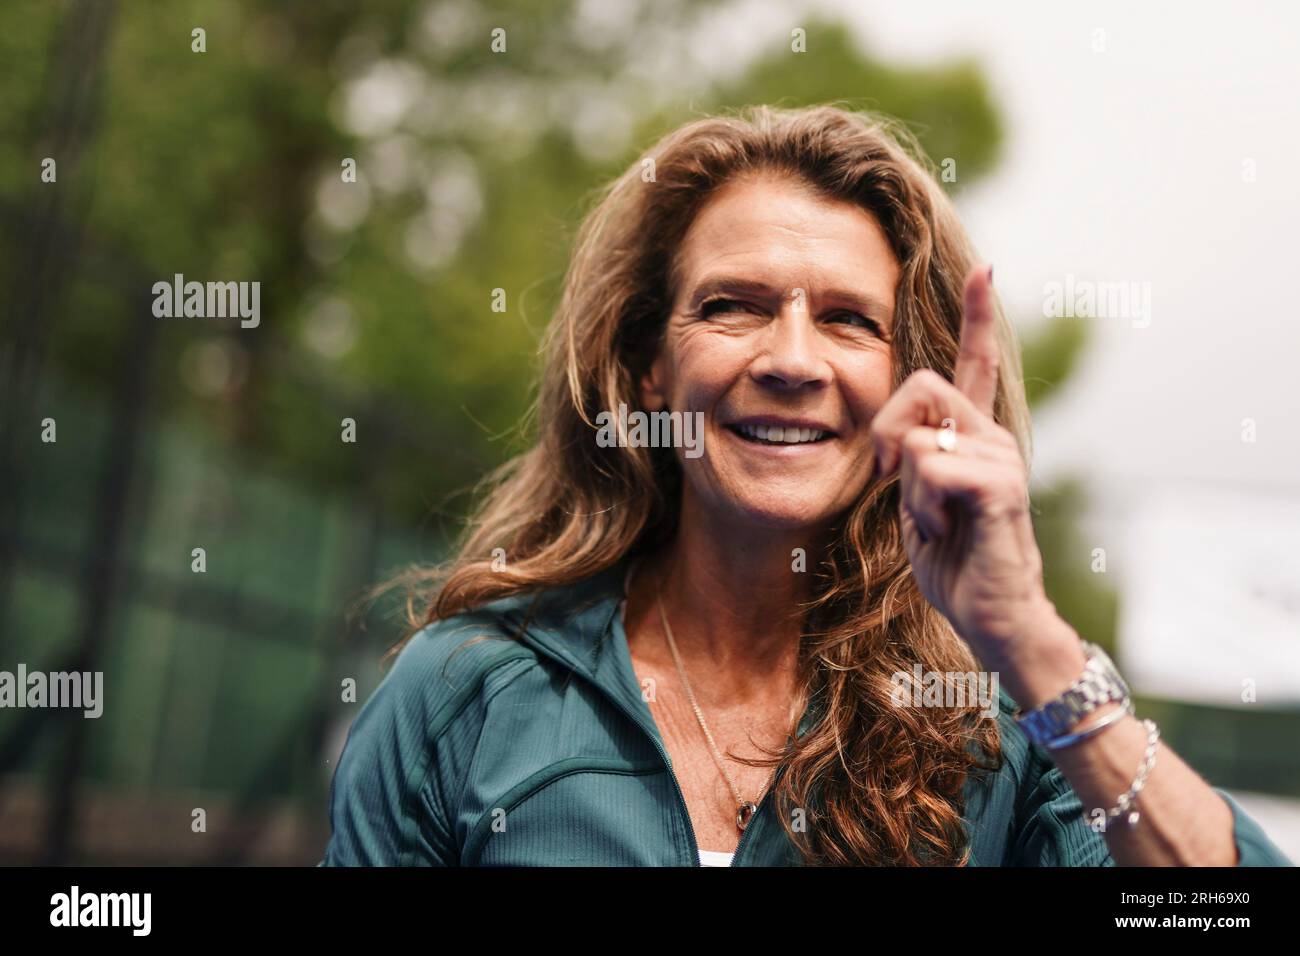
(866, 382)
(705, 365)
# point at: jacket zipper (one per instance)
(668, 763)
(654, 739)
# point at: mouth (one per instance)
(781, 435)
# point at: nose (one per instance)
(789, 357)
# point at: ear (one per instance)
(654, 386)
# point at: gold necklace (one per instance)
(745, 809)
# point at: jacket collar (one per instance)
(579, 626)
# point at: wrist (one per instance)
(1100, 690)
(1042, 666)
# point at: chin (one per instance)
(781, 514)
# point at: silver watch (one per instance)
(1099, 684)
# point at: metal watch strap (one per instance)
(1099, 684)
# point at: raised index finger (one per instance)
(976, 375)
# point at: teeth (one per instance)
(785, 436)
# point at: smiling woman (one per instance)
(738, 621)
(782, 304)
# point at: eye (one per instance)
(720, 305)
(856, 318)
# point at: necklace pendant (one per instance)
(745, 814)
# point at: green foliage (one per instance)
(948, 107)
(1050, 355)
(223, 165)
(1082, 597)
(27, 30)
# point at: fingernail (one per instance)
(990, 273)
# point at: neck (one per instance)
(733, 601)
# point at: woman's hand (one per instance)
(965, 513)
(966, 525)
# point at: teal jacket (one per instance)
(540, 751)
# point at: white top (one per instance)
(707, 857)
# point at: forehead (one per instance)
(782, 232)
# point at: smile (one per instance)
(775, 435)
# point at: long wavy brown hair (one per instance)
(878, 784)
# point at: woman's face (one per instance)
(782, 321)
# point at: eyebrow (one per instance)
(736, 285)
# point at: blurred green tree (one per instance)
(473, 165)
(476, 131)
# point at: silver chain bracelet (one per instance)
(1126, 800)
